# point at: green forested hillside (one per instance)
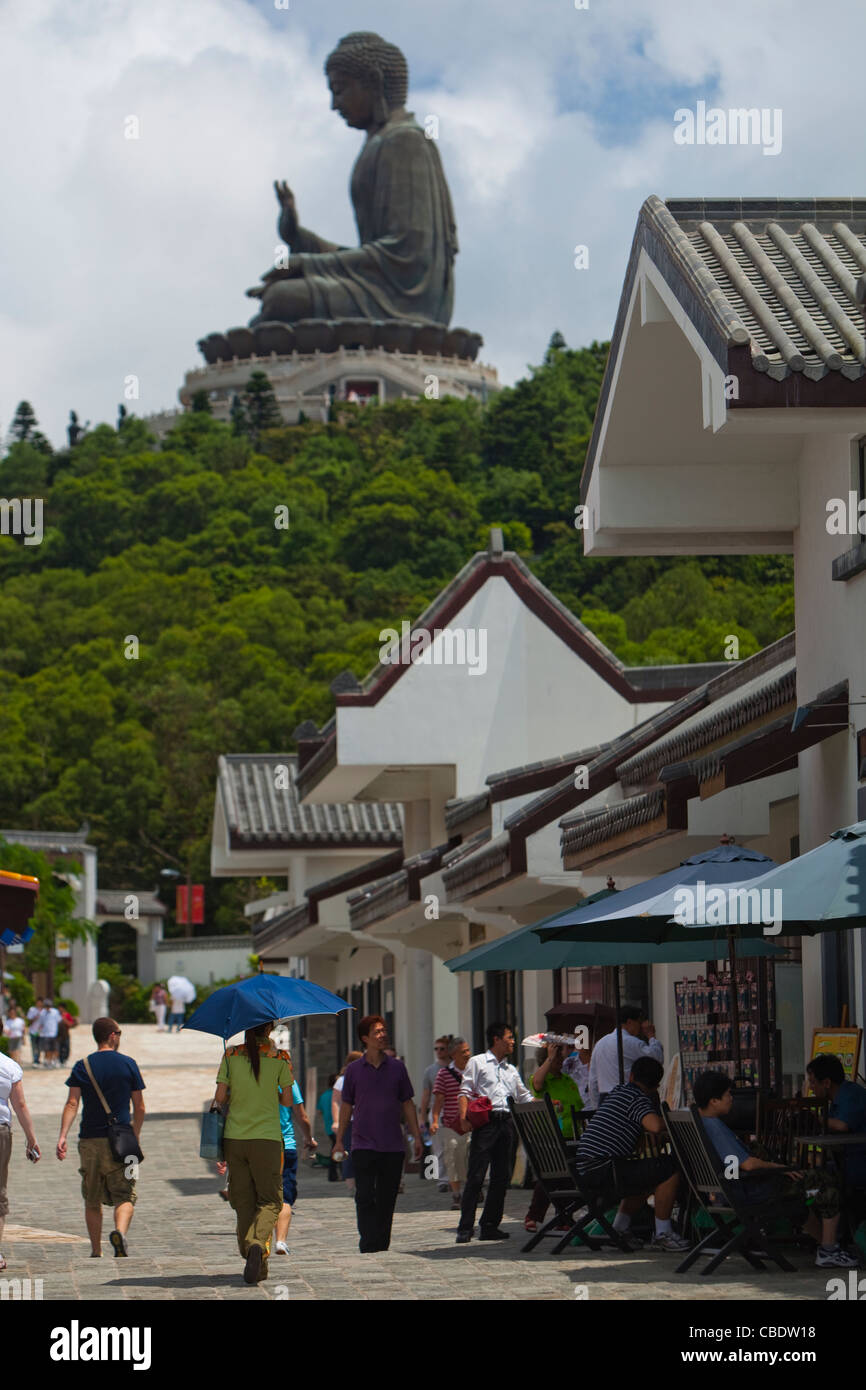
(241, 626)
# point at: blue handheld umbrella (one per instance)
(262, 999)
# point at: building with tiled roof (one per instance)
(732, 420)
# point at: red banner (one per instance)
(180, 907)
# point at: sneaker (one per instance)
(253, 1266)
(834, 1257)
(670, 1242)
(118, 1245)
(280, 1248)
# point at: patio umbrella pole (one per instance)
(616, 999)
(735, 1003)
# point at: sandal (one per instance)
(530, 1225)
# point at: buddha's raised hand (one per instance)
(289, 216)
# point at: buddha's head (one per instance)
(369, 79)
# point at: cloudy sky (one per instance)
(117, 254)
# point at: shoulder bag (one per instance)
(121, 1136)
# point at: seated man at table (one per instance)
(847, 1112)
(610, 1138)
(763, 1180)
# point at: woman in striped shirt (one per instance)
(455, 1146)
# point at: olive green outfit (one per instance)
(253, 1143)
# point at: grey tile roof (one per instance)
(282, 927)
(766, 692)
(259, 813)
(588, 828)
(460, 809)
(782, 274)
(286, 925)
(482, 862)
(379, 900)
(49, 841)
(112, 901)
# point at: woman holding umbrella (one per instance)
(259, 1078)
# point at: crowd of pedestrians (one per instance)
(47, 1027)
(461, 1133)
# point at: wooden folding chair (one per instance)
(722, 1199)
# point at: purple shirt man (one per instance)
(377, 1098)
(378, 1095)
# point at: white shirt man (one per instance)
(638, 1040)
(490, 1075)
(49, 1021)
(486, 1075)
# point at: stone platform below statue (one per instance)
(313, 365)
(325, 335)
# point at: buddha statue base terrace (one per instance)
(314, 364)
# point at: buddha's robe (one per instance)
(403, 268)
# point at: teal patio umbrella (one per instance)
(821, 890)
(524, 950)
(642, 913)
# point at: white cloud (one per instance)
(117, 255)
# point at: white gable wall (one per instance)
(535, 697)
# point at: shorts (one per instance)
(290, 1176)
(103, 1180)
(631, 1177)
(455, 1153)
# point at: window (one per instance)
(387, 1009)
(374, 996)
(361, 392)
(585, 986)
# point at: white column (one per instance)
(446, 1002)
(83, 965)
(415, 1014)
(663, 1002)
(83, 956)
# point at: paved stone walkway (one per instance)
(182, 1242)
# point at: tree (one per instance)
(54, 914)
(238, 416)
(23, 423)
(557, 344)
(200, 403)
(260, 404)
(23, 429)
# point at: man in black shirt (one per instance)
(605, 1149)
(105, 1180)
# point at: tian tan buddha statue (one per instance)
(403, 267)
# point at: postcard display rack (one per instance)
(705, 1026)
